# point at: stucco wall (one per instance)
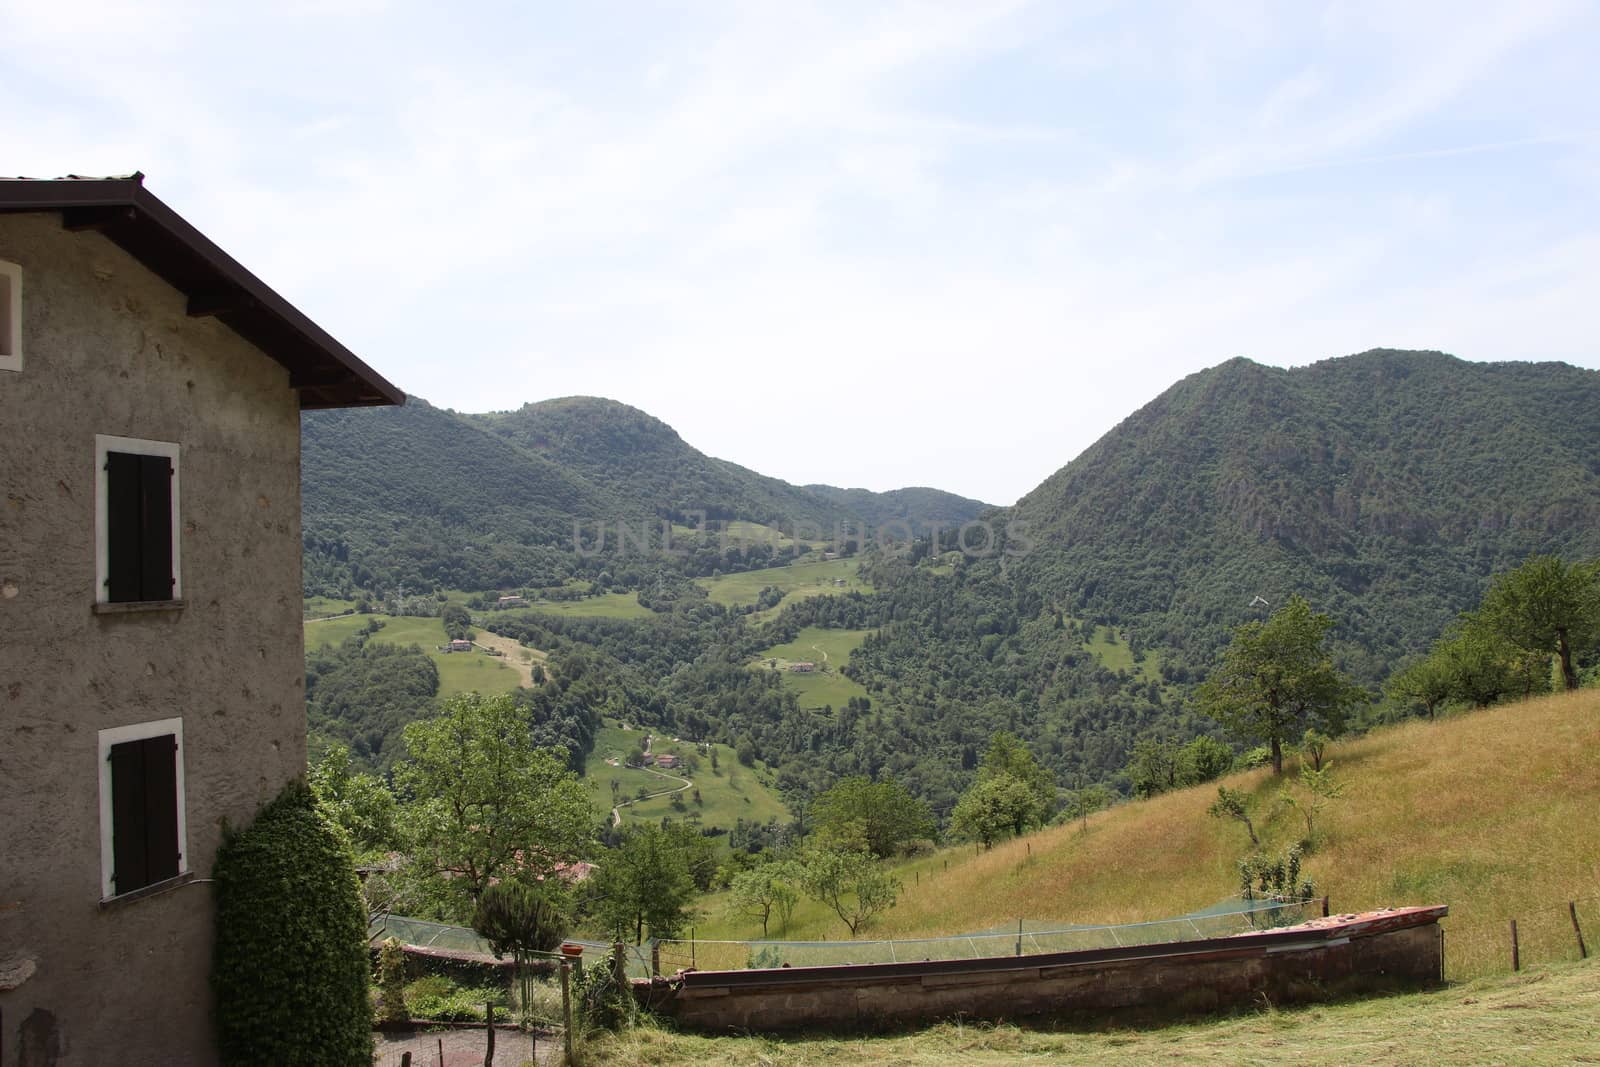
(109, 349)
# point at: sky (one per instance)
(872, 245)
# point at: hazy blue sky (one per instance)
(867, 244)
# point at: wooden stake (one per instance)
(405, 1059)
(488, 1018)
(1572, 910)
(655, 958)
(1516, 951)
(441, 1052)
(1324, 907)
(566, 1013)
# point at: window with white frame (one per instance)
(136, 521)
(10, 316)
(143, 828)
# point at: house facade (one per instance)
(151, 662)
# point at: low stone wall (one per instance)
(1313, 961)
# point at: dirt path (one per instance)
(616, 812)
(511, 652)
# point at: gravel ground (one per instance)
(464, 1048)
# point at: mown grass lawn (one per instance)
(829, 651)
(796, 581)
(459, 672)
(1539, 1018)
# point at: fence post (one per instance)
(566, 1014)
(692, 964)
(405, 1059)
(1572, 910)
(1516, 951)
(1324, 907)
(488, 1027)
(441, 1052)
(619, 965)
(1019, 937)
(655, 957)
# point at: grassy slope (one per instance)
(727, 794)
(829, 650)
(1490, 812)
(459, 672)
(797, 581)
(606, 605)
(1537, 1019)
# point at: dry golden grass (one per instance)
(1538, 1019)
(1492, 812)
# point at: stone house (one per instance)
(151, 659)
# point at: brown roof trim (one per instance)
(324, 372)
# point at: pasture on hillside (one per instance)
(796, 581)
(605, 606)
(1490, 812)
(729, 792)
(828, 651)
(459, 672)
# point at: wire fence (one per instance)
(1475, 946)
(1026, 937)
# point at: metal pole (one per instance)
(566, 1013)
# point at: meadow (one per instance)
(729, 792)
(459, 672)
(829, 650)
(796, 581)
(1490, 812)
(1540, 1018)
(606, 605)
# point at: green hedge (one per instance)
(289, 969)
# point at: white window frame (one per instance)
(104, 444)
(10, 316)
(116, 736)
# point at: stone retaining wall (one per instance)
(1313, 961)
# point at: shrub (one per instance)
(289, 966)
(437, 997)
(391, 982)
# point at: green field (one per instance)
(606, 605)
(1539, 1018)
(317, 607)
(1113, 653)
(829, 650)
(728, 793)
(796, 581)
(459, 672)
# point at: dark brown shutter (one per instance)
(124, 563)
(129, 870)
(155, 528)
(144, 812)
(161, 807)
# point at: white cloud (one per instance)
(940, 244)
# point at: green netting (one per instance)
(1027, 937)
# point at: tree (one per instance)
(457, 622)
(645, 882)
(992, 807)
(1482, 668)
(1154, 767)
(358, 803)
(1084, 801)
(483, 803)
(1009, 757)
(851, 883)
(1546, 607)
(1276, 678)
(1425, 683)
(883, 814)
(1234, 804)
(520, 919)
(1320, 789)
(763, 890)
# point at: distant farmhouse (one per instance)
(458, 645)
(511, 602)
(803, 667)
(667, 761)
(150, 624)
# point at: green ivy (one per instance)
(289, 967)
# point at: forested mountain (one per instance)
(1384, 486)
(427, 497)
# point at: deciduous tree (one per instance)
(1276, 678)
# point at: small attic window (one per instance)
(10, 316)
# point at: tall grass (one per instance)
(1491, 812)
